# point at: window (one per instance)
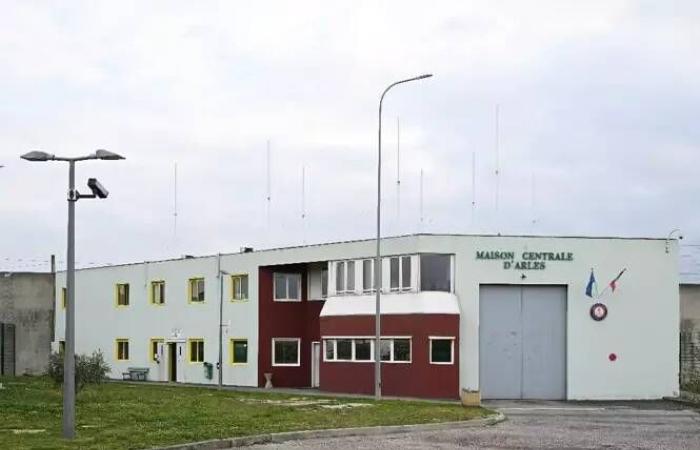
(122, 293)
(435, 273)
(239, 287)
(153, 348)
(395, 350)
(196, 290)
(349, 349)
(330, 350)
(350, 279)
(122, 349)
(287, 287)
(394, 273)
(285, 351)
(368, 275)
(61, 347)
(158, 292)
(196, 347)
(239, 351)
(340, 277)
(400, 273)
(363, 350)
(441, 350)
(324, 283)
(405, 272)
(64, 297)
(343, 349)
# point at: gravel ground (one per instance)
(535, 425)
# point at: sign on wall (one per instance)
(525, 260)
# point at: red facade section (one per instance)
(285, 320)
(418, 378)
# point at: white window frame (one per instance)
(237, 296)
(392, 339)
(452, 349)
(400, 287)
(344, 276)
(287, 276)
(353, 359)
(286, 339)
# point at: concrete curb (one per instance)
(276, 438)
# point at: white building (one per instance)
(505, 315)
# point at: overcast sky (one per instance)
(599, 135)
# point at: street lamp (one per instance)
(98, 191)
(378, 261)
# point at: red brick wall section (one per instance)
(417, 379)
(285, 319)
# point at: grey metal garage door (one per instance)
(522, 342)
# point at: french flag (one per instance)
(613, 283)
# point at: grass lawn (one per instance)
(120, 416)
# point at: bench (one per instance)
(135, 374)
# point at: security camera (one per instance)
(97, 188)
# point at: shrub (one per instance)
(91, 369)
(692, 383)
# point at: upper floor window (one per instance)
(122, 293)
(435, 272)
(345, 277)
(400, 273)
(287, 287)
(64, 297)
(368, 275)
(239, 287)
(196, 290)
(324, 283)
(158, 292)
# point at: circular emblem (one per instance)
(598, 312)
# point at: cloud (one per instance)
(598, 104)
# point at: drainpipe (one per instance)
(221, 314)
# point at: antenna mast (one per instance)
(303, 203)
(398, 176)
(473, 190)
(175, 206)
(498, 171)
(421, 201)
(268, 193)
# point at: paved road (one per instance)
(535, 425)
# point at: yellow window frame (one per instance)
(232, 352)
(189, 350)
(151, 292)
(64, 297)
(190, 291)
(151, 348)
(116, 349)
(116, 295)
(239, 277)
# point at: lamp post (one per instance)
(378, 260)
(98, 191)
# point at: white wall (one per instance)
(641, 328)
(642, 323)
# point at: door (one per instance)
(162, 362)
(522, 342)
(315, 364)
(180, 362)
(172, 361)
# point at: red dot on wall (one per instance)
(612, 357)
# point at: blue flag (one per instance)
(591, 283)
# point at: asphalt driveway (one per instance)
(535, 425)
